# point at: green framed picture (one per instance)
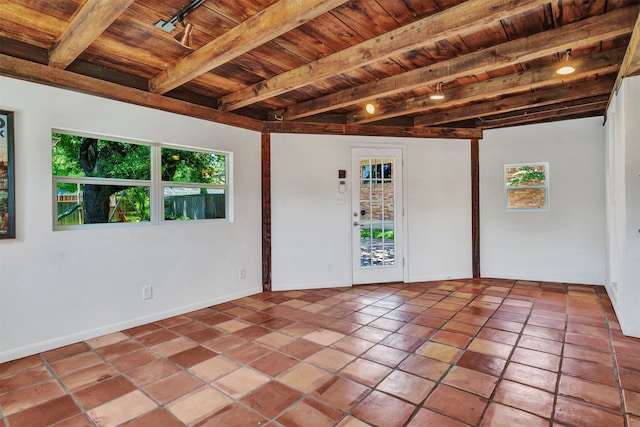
(7, 176)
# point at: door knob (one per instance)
(356, 223)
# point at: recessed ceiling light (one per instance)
(370, 108)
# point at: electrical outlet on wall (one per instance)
(147, 292)
(242, 273)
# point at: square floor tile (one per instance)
(310, 412)
(598, 394)
(103, 392)
(271, 399)
(330, 359)
(534, 377)
(524, 397)
(443, 353)
(198, 404)
(215, 368)
(381, 409)
(424, 367)
(304, 377)
(472, 381)
(574, 412)
(122, 409)
(457, 404)
(411, 388)
(28, 397)
(240, 382)
(365, 372)
(274, 363)
(172, 387)
(341, 393)
(427, 417)
(48, 413)
(234, 415)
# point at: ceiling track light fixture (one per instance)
(185, 36)
(565, 66)
(438, 94)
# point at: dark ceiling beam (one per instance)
(465, 17)
(86, 26)
(261, 28)
(587, 67)
(581, 33)
(362, 130)
(38, 73)
(584, 108)
(533, 99)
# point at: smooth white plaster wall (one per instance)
(565, 244)
(623, 205)
(61, 287)
(311, 231)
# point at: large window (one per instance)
(98, 180)
(527, 186)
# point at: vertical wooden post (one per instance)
(475, 207)
(266, 211)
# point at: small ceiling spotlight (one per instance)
(185, 38)
(565, 66)
(438, 94)
(370, 108)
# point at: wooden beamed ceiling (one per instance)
(310, 66)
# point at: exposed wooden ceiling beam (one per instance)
(363, 130)
(261, 28)
(38, 73)
(537, 98)
(599, 63)
(88, 24)
(466, 17)
(573, 108)
(580, 33)
(631, 61)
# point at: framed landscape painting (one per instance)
(7, 196)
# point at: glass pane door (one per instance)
(377, 215)
(377, 212)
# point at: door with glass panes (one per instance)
(377, 239)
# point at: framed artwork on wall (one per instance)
(7, 175)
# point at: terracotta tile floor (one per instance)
(452, 353)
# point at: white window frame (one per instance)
(155, 184)
(545, 187)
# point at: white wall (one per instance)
(61, 287)
(565, 244)
(311, 231)
(623, 205)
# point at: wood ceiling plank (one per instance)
(88, 24)
(255, 31)
(585, 32)
(586, 67)
(30, 24)
(395, 131)
(464, 18)
(367, 19)
(533, 99)
(43, 74)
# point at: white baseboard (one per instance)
(58, 342)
